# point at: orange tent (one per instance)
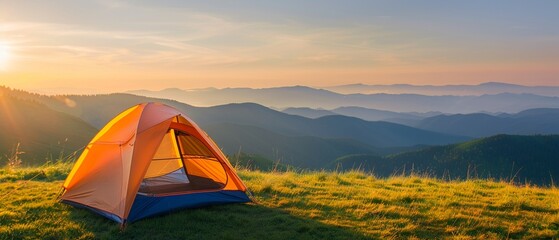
(151, 159)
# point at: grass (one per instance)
(298, 205)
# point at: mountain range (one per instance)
(438, 145)
(300, 96)
(527, 122)
(489, 88)
(297, 140)
(367, 114)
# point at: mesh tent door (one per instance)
(182, 163)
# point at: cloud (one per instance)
(133, 36)
(163, 36)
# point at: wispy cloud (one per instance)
(192, 41)
(268, 40)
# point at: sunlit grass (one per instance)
(300, 205)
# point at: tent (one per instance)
(149, 160)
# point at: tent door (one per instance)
(181, 164)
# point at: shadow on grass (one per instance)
(233, 221)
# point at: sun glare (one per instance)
(4, 55)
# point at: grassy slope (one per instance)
(42, 132)
(317, 205)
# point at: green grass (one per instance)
(294, 205)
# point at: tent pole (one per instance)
(180, 151)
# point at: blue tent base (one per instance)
(147, 206)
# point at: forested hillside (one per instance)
(41, 133)
(532, 159)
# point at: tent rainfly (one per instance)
(150, 160)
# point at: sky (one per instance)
(110, 46)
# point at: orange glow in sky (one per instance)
(4, 56)
(117, 46)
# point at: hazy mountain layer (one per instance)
(458, 90)
(533, 121)
(298, 96)
(363, 113)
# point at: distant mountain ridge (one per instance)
(300, 96)
(309, 112)
(367, 114)
(488, 88)
(528, 122)
(379, 134)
